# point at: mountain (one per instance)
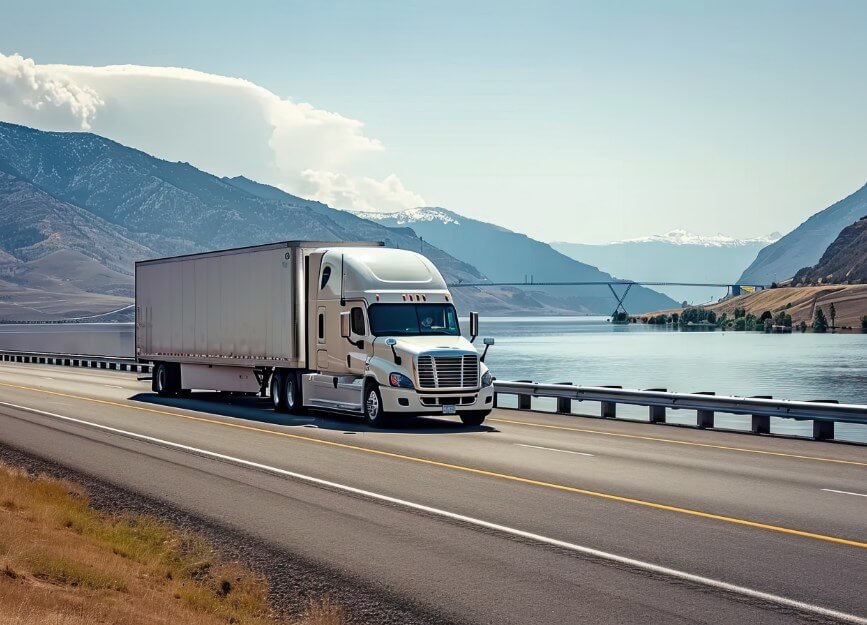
(845, 260)
(804, 246)
(79, 209)
(677, 256)
(506, 256)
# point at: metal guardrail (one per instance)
(75, 360)
(823, 414)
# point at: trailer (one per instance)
(348, 327)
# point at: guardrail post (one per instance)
(761, 423)
(823, 430)
(609, 410)
(704, 418)
(657, 413)
(564, 404)
(524, 402)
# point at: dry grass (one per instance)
(64, 563)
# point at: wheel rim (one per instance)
(372, 405)
(275, 392)
(161, 379)
(290, 393)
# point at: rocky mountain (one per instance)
(79, 209)
(844, 262)
(804, 246)
(506, 256)
(677, 256)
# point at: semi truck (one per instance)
(347, 327)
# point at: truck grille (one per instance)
(448, 371)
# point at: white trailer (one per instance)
(348, 327)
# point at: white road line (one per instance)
(45, 377)
(562, 451)
(112, 386)
(503, 529)
(844, 492)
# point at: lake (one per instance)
(592, 352)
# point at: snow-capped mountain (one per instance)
(677, 256)
(682, 237)
(411, 216)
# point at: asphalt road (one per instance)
(531, 518)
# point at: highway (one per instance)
(531, 518)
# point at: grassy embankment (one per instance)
(65, 563)
(850, 302)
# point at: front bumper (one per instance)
(409, 401)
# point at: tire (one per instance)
(475, 417)
(292, 396)
(374, 415)
(165, 380)
(278, 391)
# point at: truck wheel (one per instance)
(278, 397)
(163, 380)
(374, 414)
(476, 417)
(292, 397)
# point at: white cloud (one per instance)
(359, 193)
(224, 125)
(53, 97)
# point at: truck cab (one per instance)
(384, 339)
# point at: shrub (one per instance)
(820, 322)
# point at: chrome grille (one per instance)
(448, 371)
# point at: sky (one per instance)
(569, 121)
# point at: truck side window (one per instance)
(321, 326)
(358, 321)
(326, 273)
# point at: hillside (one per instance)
(804, 246)
(850, 301)
(114, 205)
(506, 256)
(845, 260)
(677, 256)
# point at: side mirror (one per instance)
(391, 342)
(488, 342)
(345, 326)
(474, 326)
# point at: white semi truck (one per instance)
(348, 327)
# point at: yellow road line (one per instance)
(472, 470)
(674, 441)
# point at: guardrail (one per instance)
(824, 414)
(76, 360)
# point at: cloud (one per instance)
(224, 125)
(23, 83)
(359, 193)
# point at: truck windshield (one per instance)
(413, 319)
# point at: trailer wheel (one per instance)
(278, 397)
(374, 414)
(293, 398)
(164, 380)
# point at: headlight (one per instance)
(487, 378)
(399, 379)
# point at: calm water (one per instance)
(590, 352)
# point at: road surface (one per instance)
(531, 518)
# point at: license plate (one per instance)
(449, 409)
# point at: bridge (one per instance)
(733, 289)
(536, 517)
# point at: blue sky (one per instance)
(569, 121)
